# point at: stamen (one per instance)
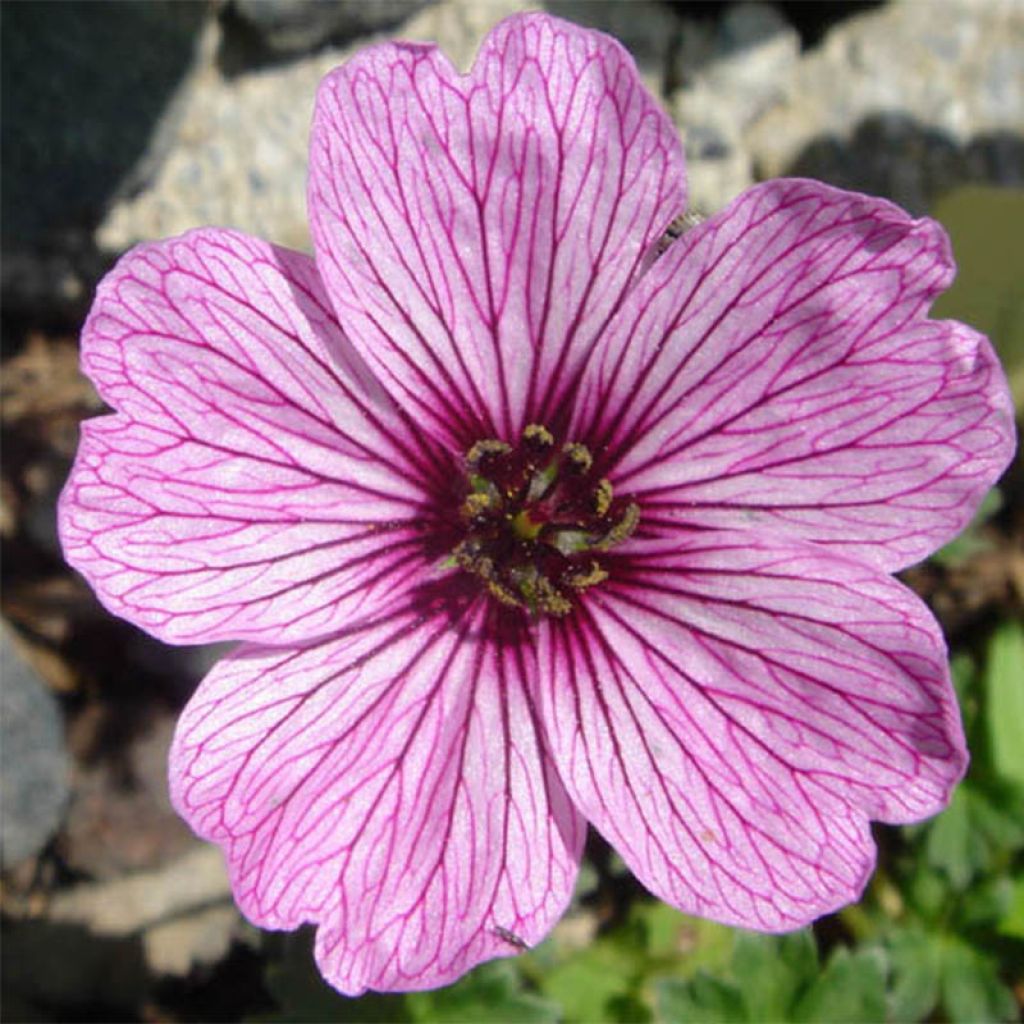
(535, 518)
(524, 527)
(503, 594)
(579, 457)
(475, 504)
(483, 450)
(538, 436)
(621, 530)
(581, 581)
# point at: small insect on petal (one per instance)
(510, 937)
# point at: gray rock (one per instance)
(907, 101)
(83, 87)
(33, 760)
(298, 26)
(650, 31)
(239, 150)
(732, 74)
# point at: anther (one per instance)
(578, 458)
(485, 450)
(581, 581)
(538, 436)
(476, 504)
(534, 519)
(621, 530)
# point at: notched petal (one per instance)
(256, 482)
(730, 712)
(388, 785)
(476, 232)
(782, 375)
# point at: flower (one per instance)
(524, 523)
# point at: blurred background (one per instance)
(136, 120)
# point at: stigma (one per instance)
(537, 521)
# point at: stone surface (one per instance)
(239, 152)
(84, 91)
(120, 817)
(649, 30)
(297, 26)
(732, 73)
(197, 939)
(145, 899)
(183, 912)
(33, 761)
(907, 101)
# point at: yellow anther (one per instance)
(603, 496)
(591, 578)
(578, 456)
(470, 559)
(621, 530)
(538, 434)
(550, 600)
(482, 449)
(503, 594)
(475, 504)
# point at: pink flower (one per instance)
(524, 527)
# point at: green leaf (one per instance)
(852, 988)
(971, 989)
(971, 541)
(1004, 699)
(771, 970)
(915, 959)
(686, 944)
(949, 845)
(1012, 922)
(702, 1000)
(491, 992)
(987, 228)
(587, 981)
(982, 825)
(302, 995)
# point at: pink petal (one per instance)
(389, 785)
(729, 712)
(257, 483)
(476, 232)
(781, 373)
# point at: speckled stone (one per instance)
(732, 73)
(33, 760)
(906, 101)
(297, 26)
(239, 153)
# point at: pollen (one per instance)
(536, 518)
(538, 435)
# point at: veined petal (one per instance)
(256, 483)
(729, 712)
(477, 232)
(389, 785)
(781, 374)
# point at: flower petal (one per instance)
(476, 232)
(729, 712)
(781, 374)
(257, 482)
(389, 785)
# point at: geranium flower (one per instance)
(524, 525)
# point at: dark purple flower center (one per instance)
(537, 521)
